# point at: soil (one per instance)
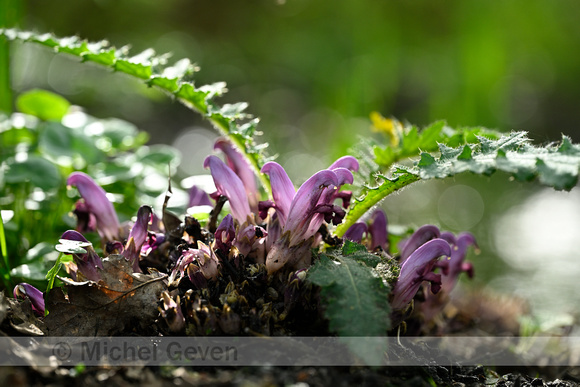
(288, 376)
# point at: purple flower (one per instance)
(456, 263)
(420, 236)
(198, 197)
(171, 312)
(376, 228)
(86, 221)
(36, 297)
(86, 263)
(301, 213)
(137, 237)
(228, 184)
(95, 204)
(153, 241)
(355, 232)
(225, 234)
(197, 261)
(247, 237)
(418, 268)
(237, 163)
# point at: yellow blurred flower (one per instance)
(392, 128)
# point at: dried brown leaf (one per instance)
(121, 302)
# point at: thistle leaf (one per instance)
(356, 300)
(173, 79)
(372, 196)
(555, 165)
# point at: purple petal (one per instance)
(36, 297)
(264, 206)
(456, 261)
(86, 263)
(274, 231)
(344, 176)
(198, 197)
(416, 269)
(347, 162)
(139, 229)
(247, 237)
(355, 232)
(420, 236)
(137, 237)
(97, 203)
(171, 312)
(208, 261)
(301, 221)
(73, 235)
(229, 185)
(378, 230)
(86, 221)
(153, 241)
(225, 234)
(449, 237)
(237, 162)
(283, 190)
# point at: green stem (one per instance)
(5, 267)
(372, 198)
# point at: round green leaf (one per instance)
(56, 140)
(37, 170)
(43, 104)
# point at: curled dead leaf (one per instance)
(121, 302)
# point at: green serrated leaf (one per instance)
(430, 136)
(555, 165)
(426, 160)
(356, 300)
(350, 247)
(173, 79)
(465, 153)
(372, 196)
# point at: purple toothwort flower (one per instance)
(247, 237)
(420, 236)
(238, 163)
(418, 268)
(153, 241)
(378, 230)
(456, 263)
(87, 263)
(228, 184)
(201, 264)
(355, 232)
(198, 197)
(376, 227)
(171, 313)
(137, 237)
(36, 297)
(225, 234)
(95, 206)
(301, 213)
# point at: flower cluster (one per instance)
(262, 238)
(419, 259)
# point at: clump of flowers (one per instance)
(249, 275)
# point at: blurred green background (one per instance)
(314, 70)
